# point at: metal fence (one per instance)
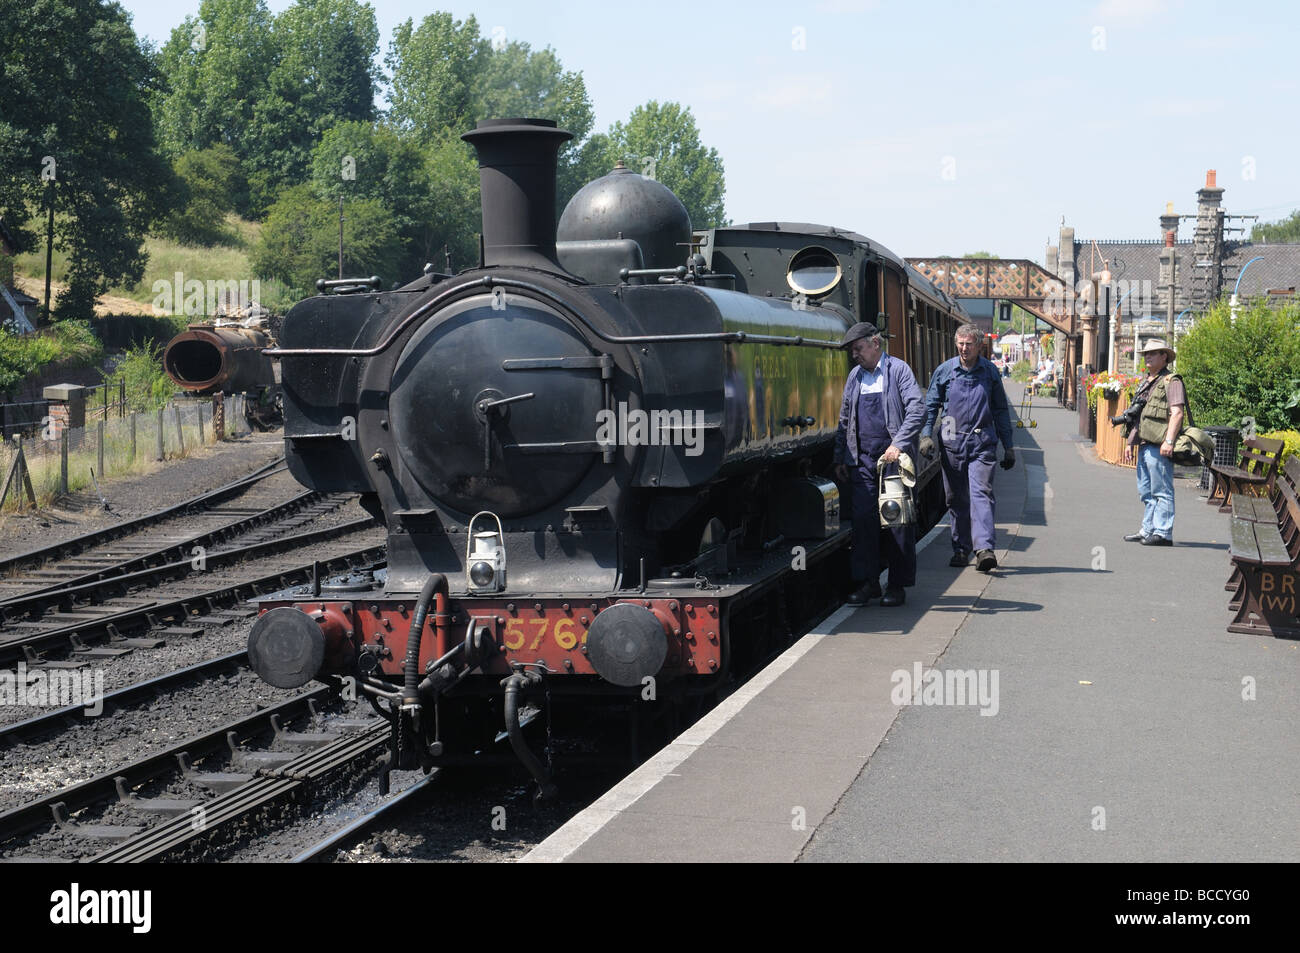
(104, 401)
(58, 463)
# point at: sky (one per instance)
(939, 128)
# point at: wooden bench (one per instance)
(1253, 475)
(1265, 554)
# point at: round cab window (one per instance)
(814, 271)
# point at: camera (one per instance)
(1130, 416)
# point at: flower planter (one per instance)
(1110, 438)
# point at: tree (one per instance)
(663, 142)
(216, 66)
(1242, 369)
(433, 68)
(1287, 230)
(77, 127)
(324, 74)
(267, 86)
(210, 180)
(431, 190)
(980, 254)
(299, 240)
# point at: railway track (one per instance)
(77, 626)
(212, 548)
(261, 777)
(206, 505)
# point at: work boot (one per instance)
(863, 594)
(985, 560)
(894, 597)
(960, 559)
(1138, 537)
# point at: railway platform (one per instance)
(1089, 705)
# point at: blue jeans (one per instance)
(1156, 487)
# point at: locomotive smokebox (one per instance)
(516, 159)
(205, 359)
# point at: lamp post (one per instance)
(1233, 301)
(1114, 326)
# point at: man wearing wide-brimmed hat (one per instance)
(1164, 401)
(880, 417)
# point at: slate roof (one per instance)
(1140, 261)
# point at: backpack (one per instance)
(1194, 447)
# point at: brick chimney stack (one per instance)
(1208, 243)
(1169, 221)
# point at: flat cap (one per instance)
(863, 329)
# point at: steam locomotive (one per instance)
(599, 459)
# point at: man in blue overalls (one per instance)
(880, 416)
(967, 398)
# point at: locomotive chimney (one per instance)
(516, 160)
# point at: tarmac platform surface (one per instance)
(1093, 707)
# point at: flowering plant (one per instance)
(1111, 385)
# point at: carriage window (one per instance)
(814, 271)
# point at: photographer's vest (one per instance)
(1153, 426)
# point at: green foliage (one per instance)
(267, 86)
(1290, 439)
(216, 66)
(1022, 371)
(431, 191)
(446, 77)
(1287, 230)
(433, 68)
(325, 73)
(147, 385)
(299, 241)
(1242, 369)
(980, 254)
(662, 141)
(211, 179)
(76, 126)
(23, 355)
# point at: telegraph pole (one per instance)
(49, 249)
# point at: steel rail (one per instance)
(272, 785)
(180, 609)
(319, 852)
(103, 787)
(175, 549)
(78, 544)
(91, 594)
(59, 718)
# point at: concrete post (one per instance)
(133, 422)
(161, 454)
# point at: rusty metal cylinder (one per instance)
(205, 359)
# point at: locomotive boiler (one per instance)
(598, 463)
(226, 358)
